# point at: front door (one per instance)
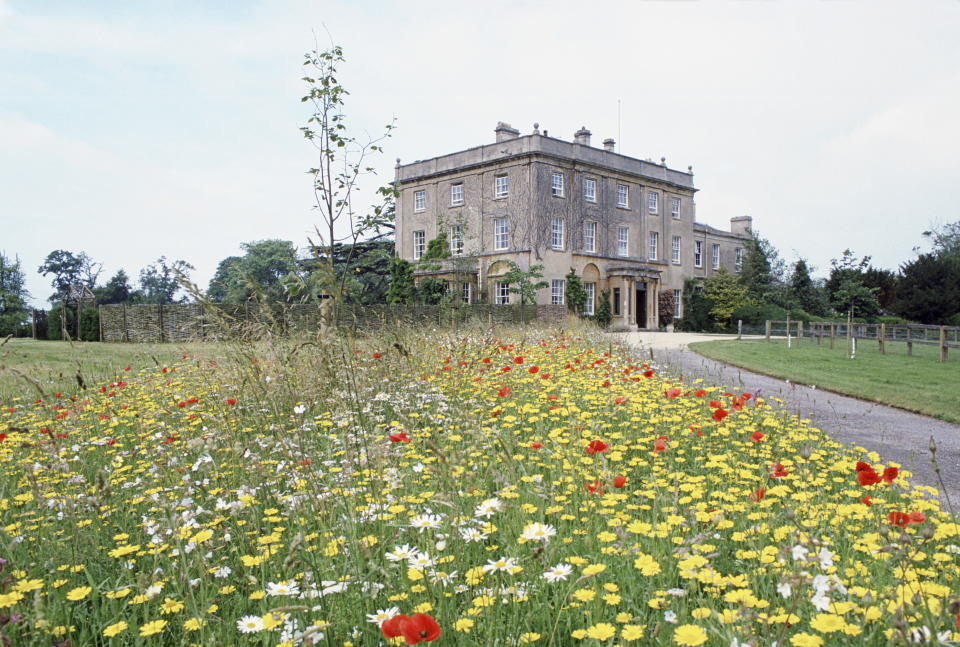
(642, 306)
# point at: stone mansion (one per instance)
(622, 224)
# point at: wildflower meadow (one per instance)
(462, 489)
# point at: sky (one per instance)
(134, 129)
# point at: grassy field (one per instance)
(917, 383)
(32, 369)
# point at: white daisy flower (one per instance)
(557, 573)
(382, 615)
(472, 534)
(488, 508)
(536, 531)
(283, 588)
(250, 624)
(425, 522)
(222, 572)
(505, 564)
(421, 561)
(401, 553)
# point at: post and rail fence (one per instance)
(944, 337)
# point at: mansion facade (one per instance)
(622, 224)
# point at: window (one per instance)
(589, 236)
(623, 241)
(556, 233)
(623, 196)
(501, 293)
(419, 200)
(591, 289)
(698, 253)
(456, 195)
(466, 288)
(557, 287)
(501, 235)
(456, 240)
(715, 257)
(675, 250)
(677, 301)
(589, 190)
(419, 244)
(616, 302)
(654, 240)
(675, 207)
(738, 263)
(652, 200)
(556, 185)
(501, 186)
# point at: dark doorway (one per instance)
(642, 306)
(616, 301)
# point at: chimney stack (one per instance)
(582, 136)
(505, 131)
(741, 225)
(609, 144)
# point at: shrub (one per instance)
(604, 315)
(89, 324)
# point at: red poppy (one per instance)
(504, 392)
(699, 393)
(376, 356)
(518, 360)
(866, 501)
(672, 393)
(181, 404)
(536, 445)
(619, 481)
(595, 488)
(890, 474)
(958, 622)
(867, 475)
(169, 440)
(391, 627)
(533, 370)
(660, 444)
(3, 437)
(231, 401)
(917, 517)
(419, 627)
(715, 404)
(551, 397)
(485, 360)
(778, 471)
(605, 384)
(648, 374)
(696, 430)
(757, 495)
(899, 518)
(619, 399)
(400, 437)
(746, 396)
(126, 368)
(756, 436)
(596, 446)
(736, 404)
(720, 414)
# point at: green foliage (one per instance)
(805, 293)
(884, 285)
(259, 273)
(945, 240)
(160, 281)
(929, 289)
(89, 324)
(402, 288)
(727, 293)
(55, 325)
(756, 314)
(116, 290)
(69, 269)
(13, 296)
(524, 282)
(604, 315)
(696, 308)
(438, 248)
(853, 296)
(575, 293)
(762, 268)
(431, 291)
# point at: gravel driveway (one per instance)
(896, 435)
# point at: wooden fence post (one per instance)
(769, 325)
(799, 331)
(100, 321)
(943, 344)
(833, 333)
(160, 317)
(882, 337)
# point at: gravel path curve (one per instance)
(896, 435)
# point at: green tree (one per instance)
(432, 291)
(437, 249)
(524, 282)
(69, 269)
(116, 290)
(225, 281)
(727, 293)
(259, 273)
(604, 316)
(343, 160)
(13, 296)
(853, 296)
(883, 283)
(805, 292)
(575, 293)
(696, 307)
(929, 289)
(945, 239)
(160, 281)
(402, 288)
(762, 270)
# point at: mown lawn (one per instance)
(31, 368)
(917, 383)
